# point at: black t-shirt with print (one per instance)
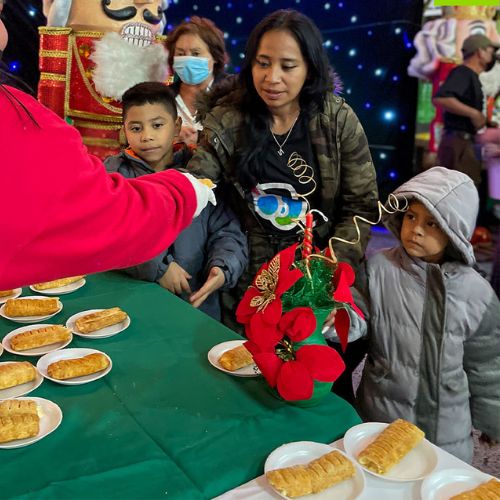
(463, 84)
(284, 177)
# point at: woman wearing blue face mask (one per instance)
(197, 56)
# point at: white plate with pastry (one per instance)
(74, 366)
(59, 287)
(33, 417)
(18, 378)
(87, 324)
(31, 309)
(416, 464)
(337, 469)
(446, 483)
(36, 340)
(10, 294)
(228, 356)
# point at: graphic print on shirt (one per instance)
(280, 204)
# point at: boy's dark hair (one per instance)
(208, 32)
(149, 93)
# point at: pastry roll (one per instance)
(18, 407)
(485, 491)
(16, 373)
(57, 283)
(313, 477)
(70, 368)
(39, 337)
(236, 358)
(95, 321)
(31, 307)
(392, 444)
(6, 293)
(18, 427)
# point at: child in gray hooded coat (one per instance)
(434, 322)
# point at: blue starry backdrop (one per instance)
(369, 45)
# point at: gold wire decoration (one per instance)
(303, 172)
(266, 282)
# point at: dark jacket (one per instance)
(214, 238)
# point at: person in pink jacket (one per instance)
(63, 214)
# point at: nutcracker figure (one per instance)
(103, 48)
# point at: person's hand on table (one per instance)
(484, 438)
(176, 279)
(214, 281)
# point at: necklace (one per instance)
(280, 150)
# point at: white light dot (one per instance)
(32, 12)
(226, 35)
(242, 55)
(217, 8)
(327, 6)
(389, 115)
(378, 72)
(354, 19)
(348, 91)
(328, 43)
(266, 1)
(397, 31)
(352, 52)
(382, 156)
(195, 7)
(239, 20)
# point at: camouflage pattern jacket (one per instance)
(347, 175)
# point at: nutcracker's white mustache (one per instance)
(137, 34)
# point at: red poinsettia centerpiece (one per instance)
(288, 346)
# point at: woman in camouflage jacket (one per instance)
(283, 101)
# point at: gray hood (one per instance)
(452, 199)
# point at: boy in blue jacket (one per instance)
(211, 253)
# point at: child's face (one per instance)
(150, 130)
(421, 236)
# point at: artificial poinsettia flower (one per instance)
(260, 308)
(290, 369)
(343, 279)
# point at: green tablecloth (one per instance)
(163, 422)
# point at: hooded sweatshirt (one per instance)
(434, 356)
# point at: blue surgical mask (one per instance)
(191, 70)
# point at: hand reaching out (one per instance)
(176, 279)
(330, 320)
(214, 281)
(188, 135)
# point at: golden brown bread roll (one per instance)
(39, 337)
(390, 446)
(6, 293)
(19, 427)
(95, 321)
(485, 491)
(57, 283)
(236, 358)
(313, 477)
(31, 307)
(70, 368)
(18, 407)
(16, 373)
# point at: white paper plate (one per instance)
(61, 290)
(302, 452)
(417, 464)
(50, 418)
(30, 319)
(37, 351)
(15, 293)
(446, 483)
(108, 331)
(21, 389)
(218, 350)
(45, 361)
